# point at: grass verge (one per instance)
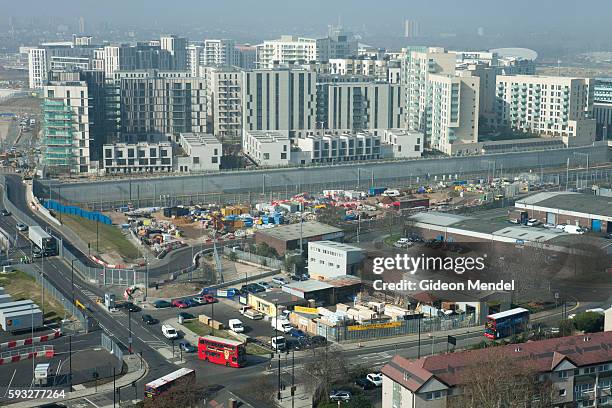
(110, 238)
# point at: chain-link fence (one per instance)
(113, 348)
(254, 258)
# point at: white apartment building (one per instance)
(441, 103)
(360, 105)
(403, 143)
(37, 67)
(224, 88)
(336, 148)
(286, 50)
(547, 106)
(219, 53)
(267, 148)
(141, 157)
(375, 68)
(194, 58)
(202, 153)
(279, 99)
(453, 115)
(330, 259)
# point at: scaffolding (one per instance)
(58, 135)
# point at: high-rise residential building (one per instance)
(602, 108)
(246, 56)
(73, 121)
(37, 67)
(177, 47)
(194, 58)
(224, 89)
(440, 103)
(288, 49)
(57, 57)
(547, 106)
(279, 99)
(219, 53)
(161, 102)
(378, 69)
(81, 25)
(337, 44)
(452, 117)
(411, 28)
(358, 106)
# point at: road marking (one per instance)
(90, 402)
(10, 382)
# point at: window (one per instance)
(563, 374)
(215, 160)
(266, 156)
(196, 160)
(562, 393)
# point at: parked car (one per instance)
(204, 299)
(279, 280)
(549, 225)
(375, 378)
(364, 383)
(608, 236)
(532, 222)
(186, 316)
(5, 212)
(340, 395)
(317, 341)
(22, 227)
(265, 285)
(180, 303)
(187, 347)
(148, 319)
(190, 302)
(169, 332)
(297, 333)
(161, 304)
(299, 278)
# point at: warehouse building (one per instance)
(328, 292)
(564, 207)
(330, 259)
(288, 237)
(273, 302)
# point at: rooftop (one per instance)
(336, 245)
(292, 231)
(543, 356)
(199, 138)
(308, 286)
(569, 201)
(278, 297)
(265, 136)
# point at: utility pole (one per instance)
(419, 341)
(293, 378)
(130, 330)
(114, 389)
(70, 359)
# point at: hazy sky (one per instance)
(582, 21)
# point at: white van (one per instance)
(169, 332)
(391, 193)
(278, 343)
(236, 326)
(573, 229)
(281, 325)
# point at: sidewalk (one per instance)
(134, 374)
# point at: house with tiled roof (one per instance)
(578, 368)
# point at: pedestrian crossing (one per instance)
(90, 295)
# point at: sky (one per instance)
(582, 22)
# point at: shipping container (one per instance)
(374, 191)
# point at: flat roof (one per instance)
(336, 245)
(570, 201)
(277, 296)
(308, 286)
(292, 231)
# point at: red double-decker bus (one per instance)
(163, 384)
(231, 353)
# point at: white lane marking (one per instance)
(85, 398)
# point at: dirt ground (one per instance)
(174, 290)
(5, 125)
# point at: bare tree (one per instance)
(262, 389)
(496, 380)
(320, 373)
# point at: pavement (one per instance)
(137, 368)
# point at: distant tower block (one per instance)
(81, 25)
(481, 31)
(411, 28)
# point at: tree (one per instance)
(566, 328)
(589, 322)
(319, 374)
(262, 389)
(493, 379)
(263, 249)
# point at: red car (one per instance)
(205, 299)
(180, 303)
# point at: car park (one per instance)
(169, 331)
(532, 222)
(190, 302)
(265, 285)
(340, 395)
(187, 347)
(186, 316)
(21, 227)
(161, 304)
(297, 333)
(180, 303)
(148, 319)
(375, 378)
(204, 299)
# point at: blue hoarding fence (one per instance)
(74, 210)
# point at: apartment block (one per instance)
(547, 106)
(201, 152)
(73, 125)
(330, 259)
(246, 56)
(378, 69)
(337, 148)
(359, 106)
(279, 100)
(224, 89)
(219, 53)
(403, 143)
(177, 48)
(141, 157)
(162, 102)
(577, 369)
(338, 44)
(286, 50)
(267, 148)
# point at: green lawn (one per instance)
(392, 239)
(201, 329)
(110, 237)
(22, 286)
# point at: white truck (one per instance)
(236, 325)
(282, 325)
(45, 244)
(248, 311)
